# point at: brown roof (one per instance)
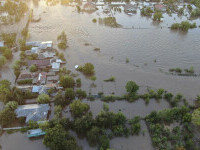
(25, 76)
(89, 5)
(39, 62)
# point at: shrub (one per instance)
(87, 69)
(78, 108)
(26, 81)
(81, 94)
(33, 68)
(43, 99)
(78, 82)
(111, 79)
(67, 81)
(69, 94)
(94, 20)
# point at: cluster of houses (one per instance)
(48, 68)
(128, 7)
(41, 81)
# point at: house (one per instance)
(34, 112)
(34, 50)
(25, 76)
(53, 79)
(160, 7)
(2, 2)
(106, 9)
(51, 73)
(41, 45)
(48, 54)
(1, 44)
(55, 66)
(129, 8)
(117, 3)
(89, 6)
(40, 78)
(40, 63)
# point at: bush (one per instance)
(94, 20)
(111, 79)
(26, 81)
(81, 94)
(3, 61)
(43, 99)
(67, 81)
(157, 16)
(78, 82)
(87, 69)
(69, 94)
(78, 108)
(33, 68)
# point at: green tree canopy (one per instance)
(78, 108)
(43, 99)
(67, 81)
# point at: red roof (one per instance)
(89, 5)
(39, 62)
(159, 6)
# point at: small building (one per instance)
(106, 9)
(36, 89)
(1, 44)
(35, 133)
(34, 112)
(55, 66)
(34, 50)
(25, 76)
(53, 79)
(48, 54)
(40, 63)
(129, 8)
(160, 7)
(89, 6)
(40, 78)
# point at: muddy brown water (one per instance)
(140, 40)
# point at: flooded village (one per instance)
(106, 74)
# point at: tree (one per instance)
(81, 94)
(132, 87)
(78, 82)
(83, 124)
(3, 61)
(67, 81)
(7, 53)
(16, 68)
(157, 16)
(104, 142)
(33, 68)
(57, 138)
(60, 100)
(196, 116)
(78, 108)
(69, 94)
(43, 99)
(87, 69)
(7, 115)
(58, 111)
(185, 25)
(5, 91)
(93, 136)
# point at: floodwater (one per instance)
(140, 40)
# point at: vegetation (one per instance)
(81, 94)
(78, 82)
(69, 94)
(78, 108)
(57, 138)
(157, 16)
(87, 69)
(67, 81)
(7, 115)
(60, 100)
(111, 79)
(178, 136)
(9, 39)
(109, 21)
(43, 99)
(63, 40)
(179, 71)
(94, 20)
(26, 81)
(3, 61)
(33, 68)
(184, 26)
(146, 11)
(196, 117)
